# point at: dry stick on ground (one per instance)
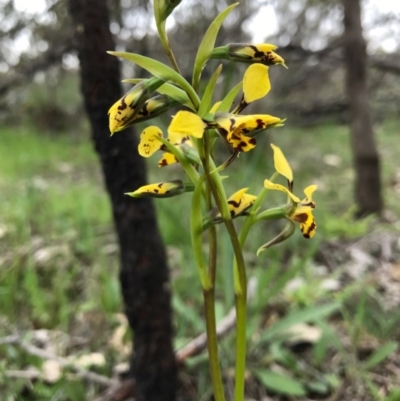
(63, 362)
(121, 391)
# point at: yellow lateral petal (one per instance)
(309, 191)
(281, 164)
(256, 82)
(241, 142)
(277, 187)
(186, 123)
(167, 159)
(149, 144)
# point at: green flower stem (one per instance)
(212, 231)
(240, 280)
(196, 230)
(167, 47)
(221, 52)
(212, 344)
(240, 284)
(240, 303)
(209, 294)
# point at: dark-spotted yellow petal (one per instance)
(149, 144)
(252, 51)
(240, 201)
(303, 215)
(167, 159)
(232, 122)
(241, 142)
(162, 189)
(123, 112)
(249, 53)
(126, 108)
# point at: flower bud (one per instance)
(166, 189)
(163, 8)
(124, 111)
(247, 53)
(154, 107)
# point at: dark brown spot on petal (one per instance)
(300, 218)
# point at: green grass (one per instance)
(59, 265)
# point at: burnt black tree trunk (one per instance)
(144, 272)
(365, 154)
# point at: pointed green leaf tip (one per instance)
(207, 44)
(160, 71)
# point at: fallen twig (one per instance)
(65, 363)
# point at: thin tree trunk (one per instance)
(365, 154)
(144, 272)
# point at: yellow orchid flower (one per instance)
(238, 129)
(301, 212)
(149, 144)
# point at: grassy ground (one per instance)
(59, 282)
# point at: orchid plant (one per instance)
(190, 140)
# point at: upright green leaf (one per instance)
(226, 104)
(207, 44)
(161, 71)
(207, 97)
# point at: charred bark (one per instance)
(365, 154)
(144, 272)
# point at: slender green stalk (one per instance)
(240, 281)
(212, 344)
(170, 55)
(209, 294)
(241, 299)
(240, 303)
